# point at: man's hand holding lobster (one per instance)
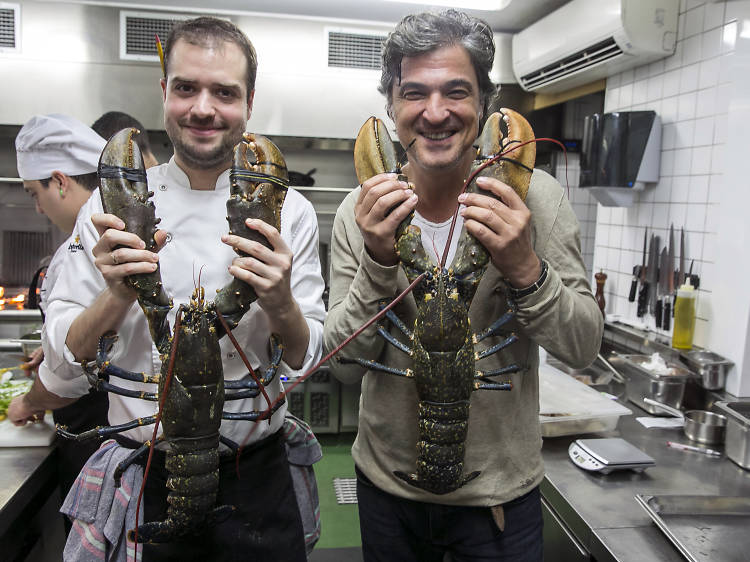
(383, 203)
(504, 229)
(268, 272)
(118, 254)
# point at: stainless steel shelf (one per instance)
(14, 316)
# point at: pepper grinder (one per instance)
(600, 277)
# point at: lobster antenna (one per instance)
(406, 150)
(201, 292)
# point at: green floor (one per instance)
(339, 523)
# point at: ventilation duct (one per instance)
(138, 31)
(9, 27)
(354, 49)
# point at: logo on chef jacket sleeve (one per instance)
(75, 245)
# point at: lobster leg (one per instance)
(397, 322)
(494, 328)
(105, 430)
(493, 385)
(249, 387)
(253, 415)
(123, 466)
(508, 369)
(393, 341)
(250, 392)
(513, 338)
(101, 384)
(375, 366)
(107, 369)
(229, 443)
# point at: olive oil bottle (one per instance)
(684, 317)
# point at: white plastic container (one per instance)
(569, 407)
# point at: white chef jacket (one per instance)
(50, 278)
(195, 221)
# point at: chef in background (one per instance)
(57, 158)
(114, 121)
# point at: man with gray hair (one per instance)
(436, 79)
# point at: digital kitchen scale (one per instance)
(608, 454)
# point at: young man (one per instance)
(112, 121)
(208, 95)
(57, 157)
(436, 79)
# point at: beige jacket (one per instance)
(504, 440)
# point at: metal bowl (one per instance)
(705, 427)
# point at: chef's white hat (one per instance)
(56, 142)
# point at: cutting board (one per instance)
(30, 435)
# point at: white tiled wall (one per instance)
(690, 91)
(584, 206)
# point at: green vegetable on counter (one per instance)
(9, 390)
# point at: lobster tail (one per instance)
(123, 188)
(259, 182)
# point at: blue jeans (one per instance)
(396, 529)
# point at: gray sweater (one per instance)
(504, 440)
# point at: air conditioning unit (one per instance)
(586, 40)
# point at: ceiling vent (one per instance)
(138, 32)
(9, 27)
(354, 49)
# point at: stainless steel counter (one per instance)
(23, 472)
(600, 510)
(30, 527)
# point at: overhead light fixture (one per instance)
(486, 5)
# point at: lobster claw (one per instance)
(124, 192)
(259, 183)
(517, 165)
(374, 152)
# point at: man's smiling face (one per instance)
(206, 103)
(436, 106)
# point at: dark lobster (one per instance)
(191, 361)
(442, 344)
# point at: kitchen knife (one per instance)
(638, 270)
(662, 294)
(670, 282)
(643, 292)
(634, 283)
(681, 275)
(652, 273)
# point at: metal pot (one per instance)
(699, 425)
(711, 367)
(666, 388)
(300, 179)
(738, 431)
